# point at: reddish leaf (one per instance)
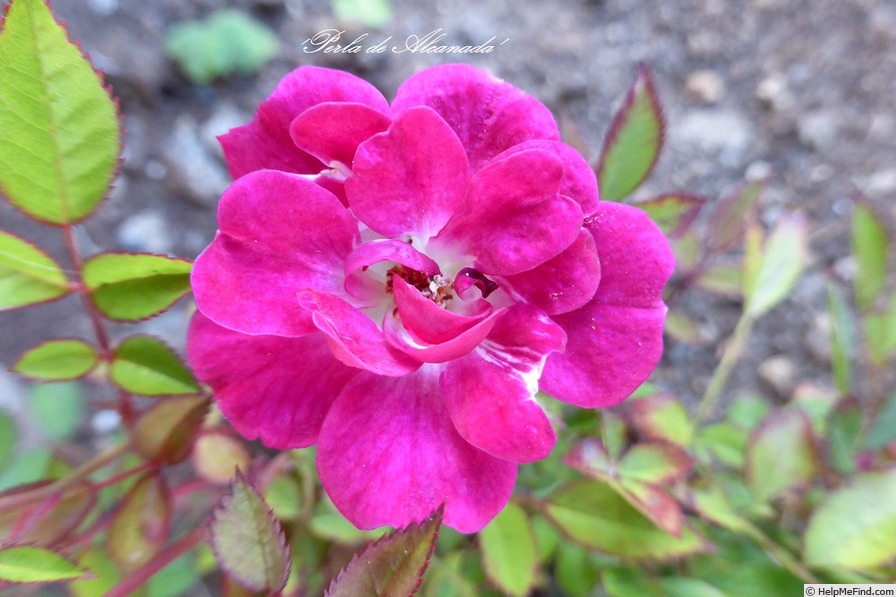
(672, 212)
(655, 462)
(49, 521)
(165, 433)
(654, 503)
(142, 523)
(392, 566)
(781, 454)
(727, 222)
(661, 417)
(248, 540)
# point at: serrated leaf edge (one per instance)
(180, 358)
(96, 353)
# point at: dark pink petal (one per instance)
(269, 387)
(353, 337)
(515, 219)
(425, 320)
(487, 114)
(389, 454)
(265, 142)
(410, 179)
(579, 182)
(505, 420)
(370, 287)
(332, 131)
(563, 283)
(278, 234)
(616, 340)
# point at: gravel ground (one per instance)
(801, 93)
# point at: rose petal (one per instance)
(265, 142)
(505, 420)
(563, 283)
(579, 182)
(369, 285)
(278, 235)
(616, 340)
(515, 219)
(332, 131)
(428, 322)
(389, 454)
(269, 387)
(487, 114)
(410, 179)
(353, 337)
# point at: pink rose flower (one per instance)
(396, 283)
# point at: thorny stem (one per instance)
(60, 486)
(125, 407)
(733, 350)
(138, 577)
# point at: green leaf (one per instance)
(217, 455)
(869, 249)
(844, 426)
(9, 435)
(627, 582)
(59, 134)
(248, 541)
(883, 428)
(176, 579)
(167, 431)
(27, 275)
(681, 327)
(655, 462)
(508, 550)
(784, 256)
(855, 525)
(144, 365)
(841, 339)
(612, 431)
(748, 411)
(880, 333)
(633, 142)
(394, 565)
(142, 523)
(722, 278)
(370, 13)
(226, 43)
(722, 441)
(57, 360)
(726, 223)
(132, 287)
(35, 564)
(673, 213)
(597, 517)
(26, 467)
(58, 407)
(781, 454)
(576, 573)
(661, 417)
(107, 575)
(689, 587)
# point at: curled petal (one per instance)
(563, 283)
(428, 322)
(389, 455)
(353, 337)
(272, 388)
(369, 287)
(278, 234)
(515, 219)
(487, 114)
(505, 420)
(410, 179)
(265, 142)
(579, 182)
(615, 340)
(332, 131)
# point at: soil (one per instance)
(801, 93)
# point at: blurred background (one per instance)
(800, 94)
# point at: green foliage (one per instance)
(9, 435)
(141, 525)
(782, 261)
(633, 142)
(57, 360)
(869, 248)
(370, 13)
(782, 454)
(508, 550)
(842, 342)
(248, 541)
(165, 433)
(58, 407)
(229, 42)
(34, 564)
(27, 275)
(132, 287)
(59, 133)
(394, 565)
(673, 213)
(855, 526)
(144, 365)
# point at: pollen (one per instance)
(436, 288)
